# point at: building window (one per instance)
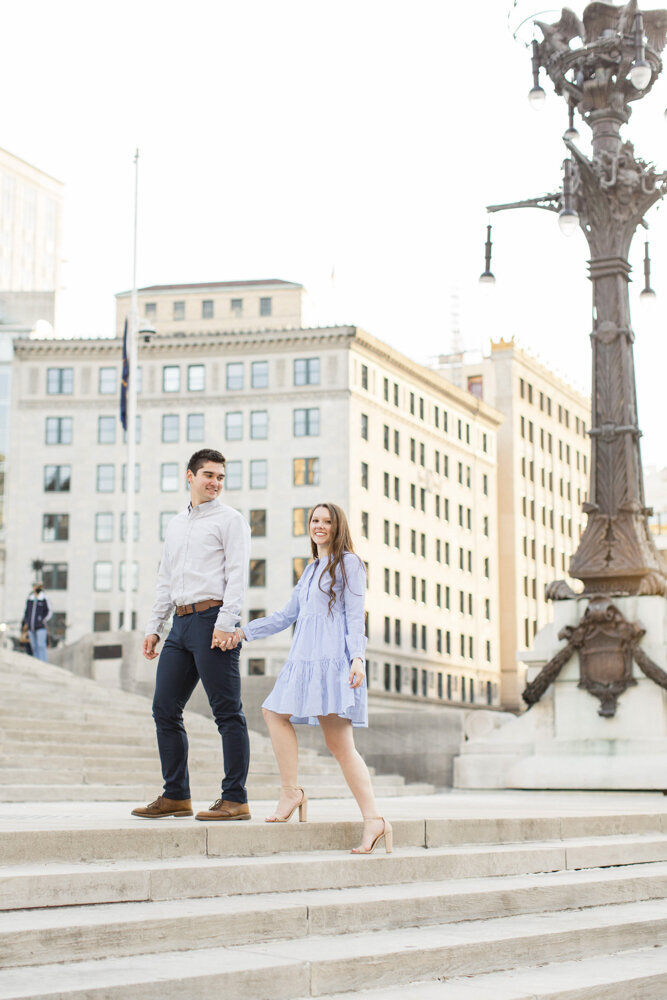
(101, 621)
(258, 523)
(364, 429)
(259, 424)
(397, 536)
(108, 381)
(135, 576)
(306, 371)
(207, 309)
(364, 524)
(135, 522)
(233, 476)
(257, 573)
(123, 475)
(300, 520)
(171, 378)
(57, 478)
(106, 430)
(121, 617)
(306, 471)
(58, 430)
(165, 517)
(102, 576)
(364, 376)
(234, 375)
(364, 475)
(397, 631)
(150, 309)
(59, 381)
(55, 527)
(54, 576)
(106, 478)
(256, 666)
(298, 566)
(169, 477)
(195, 427)
(179, 310)
(259, 374)
(258, 474)
(306, 422)
(196, 378)
(236, 307)
(234, 426)
(265, 306)
(104, 527)
(170, 427)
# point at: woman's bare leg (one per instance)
(286, 749)
(340, 742)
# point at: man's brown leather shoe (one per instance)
(162, 808)
(222, 809)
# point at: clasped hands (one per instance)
(226, 640)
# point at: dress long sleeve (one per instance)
(355, 597)
(259, 628)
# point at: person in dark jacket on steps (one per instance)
(37, 613)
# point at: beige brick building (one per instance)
(543, 459)
(302, 415)
(216, 306)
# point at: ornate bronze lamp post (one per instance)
(600, 65)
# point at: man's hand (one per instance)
(224, 640)
(149, 650)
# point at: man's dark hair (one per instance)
(202, 457)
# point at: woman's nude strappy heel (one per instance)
(385, 835)
(302, 806)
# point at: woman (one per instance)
(322, 682)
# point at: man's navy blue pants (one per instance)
(187, 658)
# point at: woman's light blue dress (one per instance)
(315, 680)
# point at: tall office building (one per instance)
(302, 415)
(543, 458)
(30, 244)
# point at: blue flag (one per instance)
(124, 380)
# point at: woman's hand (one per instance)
(357, 672)
(240, 634)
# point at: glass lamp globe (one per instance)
(640, 75)
(536, 98)
(568, 222)
(487, 278)
(647, 297)
(571, 134)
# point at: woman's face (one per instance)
(321, 527)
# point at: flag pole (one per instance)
(131, 430)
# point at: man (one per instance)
(37, 613)
(202, 577)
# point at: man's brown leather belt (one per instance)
(187, 609)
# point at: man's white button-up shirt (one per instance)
(206, 555)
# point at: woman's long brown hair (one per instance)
(341, 542)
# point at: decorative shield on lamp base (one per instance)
(605, 657)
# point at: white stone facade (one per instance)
(370, 421)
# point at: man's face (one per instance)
(206, 485)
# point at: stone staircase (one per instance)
(500, 897)
(67, 738)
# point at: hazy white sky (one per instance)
(284, 139)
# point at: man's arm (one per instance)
(236, 545)
(49, 609)
(163, 605)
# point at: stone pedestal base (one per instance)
(562, 742)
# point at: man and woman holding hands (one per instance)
(202, 581)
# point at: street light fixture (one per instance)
(487, 277)
(607, 196)
(536, 95)
(647, 296)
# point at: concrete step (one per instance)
(629, 975)
(316, 965)
(143, 792)
(30, 937)
(177, 865)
